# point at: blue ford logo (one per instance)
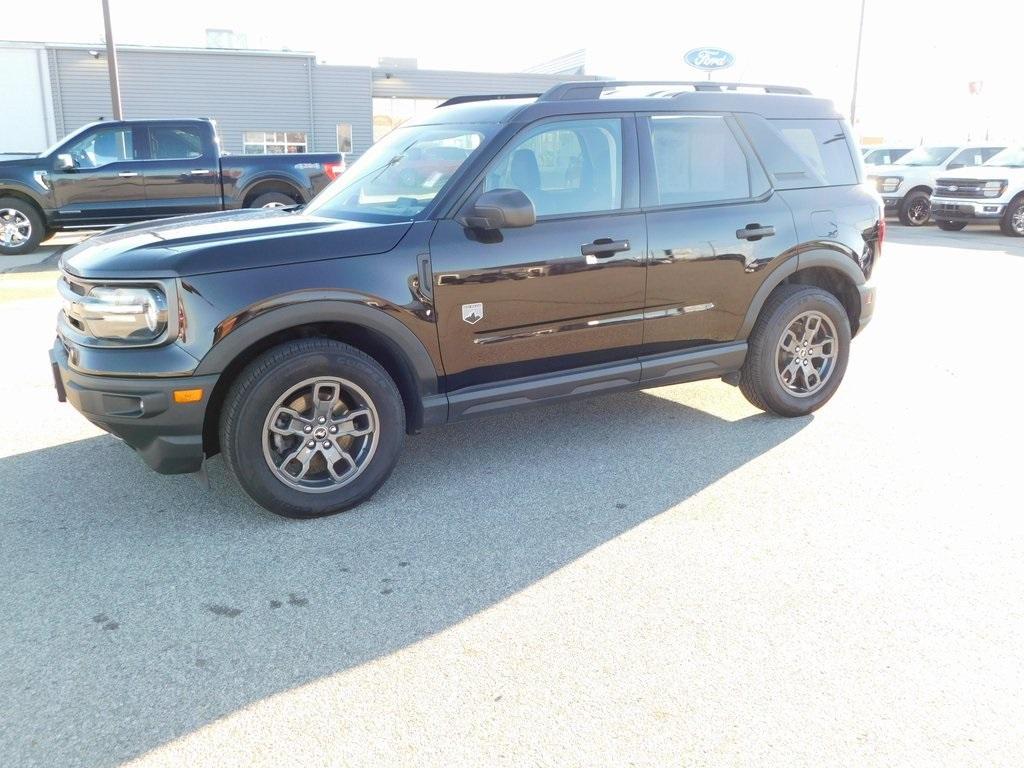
(708, 59)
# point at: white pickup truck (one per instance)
(993, 192)
(906, 186)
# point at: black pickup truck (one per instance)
(110, 173)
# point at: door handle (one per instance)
(128, 174)
(604, 247)
(201, 171)
(755, 232)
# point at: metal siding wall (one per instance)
(241, 92)
(256, 91)
(439, 84)
(343, 95)
(83, 91)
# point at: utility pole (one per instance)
(115, 87)
(856, 68)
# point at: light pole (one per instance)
(115, 87)
(856, 68)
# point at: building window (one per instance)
(273, 142)
(344, 137)
(389, 113)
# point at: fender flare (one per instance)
(284, 179)
(10, 187)
(818, 256)
(282, 317)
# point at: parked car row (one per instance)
(116, 172)
(954, 186)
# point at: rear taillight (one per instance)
(881, 235)
(334, 170)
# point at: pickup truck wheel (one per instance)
(950, 226)
(272, 200)
(1013, 220)
(914, 209)
(21, 227)
(797, 352)
(312, 427)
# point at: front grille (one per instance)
(965, 188)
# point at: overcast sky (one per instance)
(916, 63)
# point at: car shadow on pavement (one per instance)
(140, 608)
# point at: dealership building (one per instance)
(262, 101)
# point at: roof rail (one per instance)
(594, 88)
(486, 97)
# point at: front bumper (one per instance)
(140, 411)
(951, 209)
(892, 202)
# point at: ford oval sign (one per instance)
(708, 59)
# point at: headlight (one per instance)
(131, 313)
(889, 183)
(994, 188)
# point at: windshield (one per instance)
(400, 174)
(54, 147)
(1011, 157)
(926, 156)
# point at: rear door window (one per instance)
(698, 159)
(167, 142)
(802, 153)
(822, 143)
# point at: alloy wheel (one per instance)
(1017, 220)
(321, 434)
(918, 211)
(15, 228)
(806, 354)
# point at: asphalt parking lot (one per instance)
(661, 578)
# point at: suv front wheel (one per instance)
(797, 352)
(1013, 220)
(312, 427)
(914, 209)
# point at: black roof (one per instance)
(575, 98)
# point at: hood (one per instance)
(18, 159)
(913, 172)
(984, 172)
(229, 240)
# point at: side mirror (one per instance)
(500, 209)
(954, 166)
(65, 162)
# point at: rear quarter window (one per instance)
(802, 153)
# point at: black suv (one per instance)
(499, 253)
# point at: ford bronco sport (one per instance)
(598, 237)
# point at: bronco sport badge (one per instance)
(473, 313)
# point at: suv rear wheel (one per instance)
(312, 427)
(950, 226)
(797, 352)
(914, 209)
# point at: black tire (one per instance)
(22, 215)
(272, 200)
(950, 226)
(909, 212)
(259, 388)
(1012, 223)
(759, 377)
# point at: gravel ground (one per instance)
(660, 578)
